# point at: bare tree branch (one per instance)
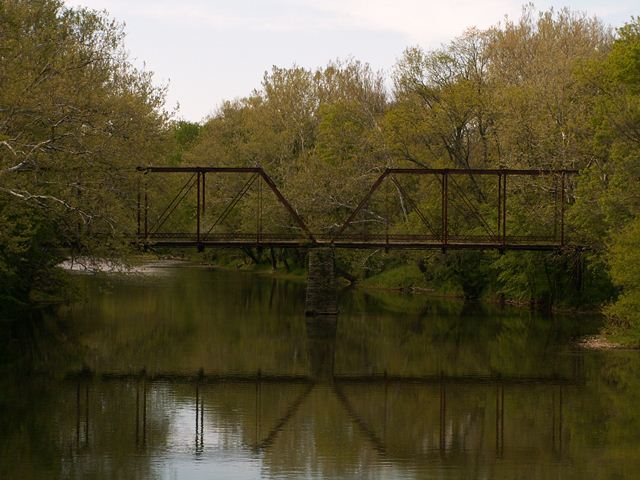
(42, 199)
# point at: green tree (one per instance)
(610, 201)
(624, 260)
(185, 136)
(76, 118)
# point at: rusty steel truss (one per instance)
(433, 234)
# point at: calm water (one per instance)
(197, 373)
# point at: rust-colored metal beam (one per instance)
(204, 197)
(413, 205)
(288, 415)
(562, 182)
(504, 209)
(198, 210)
(138, 209)
(471, 208)
(445, 208)
(286, 204)
(413, 171)
(480, 171)
(146, 211)
(179, 197)
(362, 203)
(234, 201)
(199, 169)
(499, 204)
(362, 245)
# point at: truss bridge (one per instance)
(404, 208)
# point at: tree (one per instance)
(624, 259)
(610, 200)
(76, 119)
(185, 136)
(445, 95)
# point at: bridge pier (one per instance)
(321, 284)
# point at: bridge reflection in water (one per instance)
(416, 419)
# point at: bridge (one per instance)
(200, 207)
(384, 392)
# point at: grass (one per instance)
(407, 278)
(627, 337)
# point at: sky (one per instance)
(210, 51)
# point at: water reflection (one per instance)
(403, 419)
(454, 432)
(321, 346)
(243, 385)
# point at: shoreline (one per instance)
(600, 342)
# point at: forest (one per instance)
(553, 89)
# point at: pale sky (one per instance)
(210, 51)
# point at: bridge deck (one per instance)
(236, 240)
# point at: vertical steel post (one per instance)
(504, 208)
(203, 192)
(499, 202)
(555, 208)
(146, 211)
(138, 209)
(198, 211)
(259, 219)
(445, 209)
(388, 214)
(562, 209)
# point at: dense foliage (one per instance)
(617, 201)
(555, 89)
(75, 116)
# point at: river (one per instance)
(189, 372)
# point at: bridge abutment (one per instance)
(321, 284)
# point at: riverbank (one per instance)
(604, 342)
(405, 278)
(408, 279)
